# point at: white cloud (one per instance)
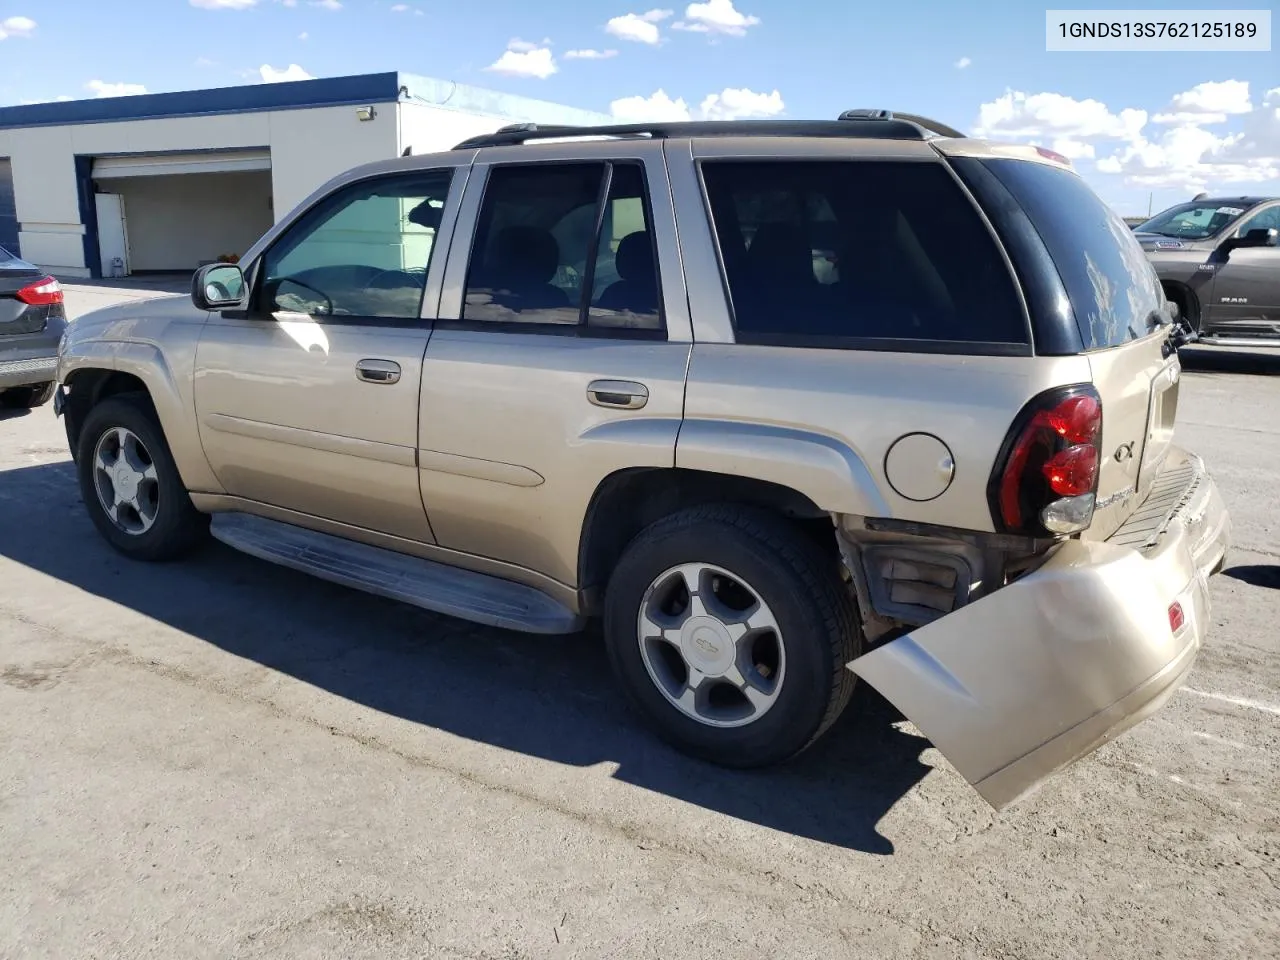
(1208, 103)
(716, 16)
(303, 35)
(400, 8)
(1073, 149)
(100, 88)
(223, 4)
(740, 104)
(638, 27)
(270, 74)
(729, 104)
(1180, 154)
(523, 59)
(656, 108)
(1018, 115)
(963, 62)
(327, 4)
(590, 54)
(205, 62)
(16, 27)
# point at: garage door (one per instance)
(8, 212)
(167, 164)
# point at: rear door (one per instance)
(1119, 309)
(559, 352)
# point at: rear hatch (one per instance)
(17, 316)
(1119, 310)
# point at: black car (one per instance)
(32, 318)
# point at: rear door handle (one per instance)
(619, 394)
(378, 371)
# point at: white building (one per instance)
(168, 181)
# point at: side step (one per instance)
(423, 583)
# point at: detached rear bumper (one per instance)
(1042, 672)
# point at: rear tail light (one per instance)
(1177, 618)
(1046, 480)
(41, 293)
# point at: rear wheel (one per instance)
(730, 631)
(19, 398)
(130, 484)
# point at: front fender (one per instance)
(170, 390)
(827, 471)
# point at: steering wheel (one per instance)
(413, 279)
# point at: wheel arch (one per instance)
(1187, 300)
(135, 367)
(627, 501)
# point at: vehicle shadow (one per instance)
(1257, 575)
(547, 697)
(12, 413)
(1229, 360)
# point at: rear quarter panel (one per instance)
(860, 403)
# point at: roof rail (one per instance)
(868, 124)
(931, 125)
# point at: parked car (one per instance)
(1218, 260)
(944, 462)
(32, 318)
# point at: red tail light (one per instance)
(41, 293)
(1047, 476)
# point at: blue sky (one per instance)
(1134, 123)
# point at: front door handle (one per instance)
(378, 371)
(620, 394)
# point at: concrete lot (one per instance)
(223, 758)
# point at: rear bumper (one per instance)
(1042, 672)
(21, 373)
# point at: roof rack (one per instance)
(868, 124)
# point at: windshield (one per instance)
(1194, 221)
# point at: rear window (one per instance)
(1113, 290)
(860, 254)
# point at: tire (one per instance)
(24, 398)
(790, 576)
(176, 526)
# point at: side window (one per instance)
(565, 244)
(841, 253)
(363, 252)
(1268, 219)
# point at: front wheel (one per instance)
(24, 398)
(131, 486)
(730, 631)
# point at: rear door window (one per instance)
(1114, 292)
(860, 254)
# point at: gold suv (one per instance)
(783, 404)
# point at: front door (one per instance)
(560, 351)
(309, 399)
(1246, 288)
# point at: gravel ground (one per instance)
(223, 758)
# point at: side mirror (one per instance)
(218, 286)
(1261, 237)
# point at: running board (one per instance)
(1268, 342)
(432, 586)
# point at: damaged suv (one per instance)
(783, 404)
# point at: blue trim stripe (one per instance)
(294, 95)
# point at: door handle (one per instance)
(620, 394)
(378, 371)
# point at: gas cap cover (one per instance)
(919, 467)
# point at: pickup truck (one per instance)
(780, 405)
